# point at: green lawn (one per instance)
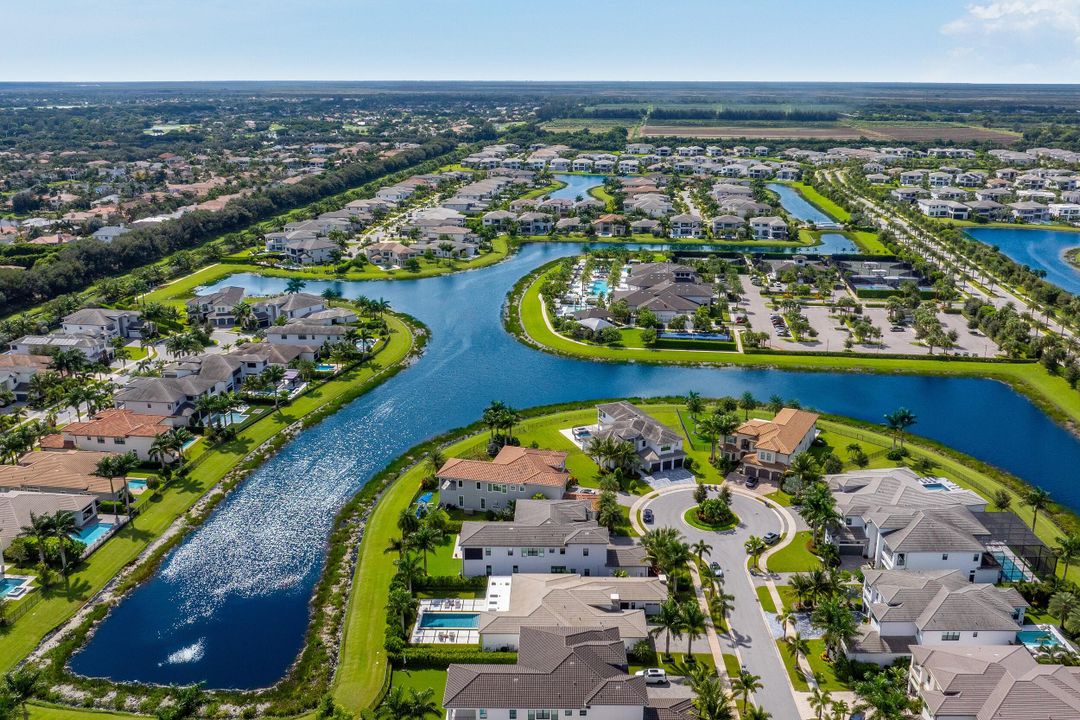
(824, 671)
(797, 680)
(434, 680)
(795, 557)
(441, 561)
(56, 712)
(1049, 392)
(765, 598)
(674, 667)
(780, 498)
(208, 466)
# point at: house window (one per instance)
(483, 714)
(585, 552)
(120, 441)
(944, 556)
(513, 714)
(975, 558)
(461, 500)
(101, 440)
(950, 636)
(477, 486)
(562, 551)
(487, 552)
(510, 552)
(568, 713)
(583, 713)
(515, 569)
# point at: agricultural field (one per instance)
(899, 131)
(597, 125)
(805, 131)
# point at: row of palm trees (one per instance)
(610, 452)
(169, 445)
(499, 417)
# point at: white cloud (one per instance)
(1019, 17)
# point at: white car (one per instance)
(653, 676)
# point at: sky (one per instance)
(708, 40)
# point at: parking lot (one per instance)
(832, 334)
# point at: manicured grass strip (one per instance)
(795, 557)
(823, 670)
(41, 711)
(731, 665)
(821, 202)
(422, 680)
(63, 600)
(797, 680)
(780, 498)
(1050, 392)
(765, 598)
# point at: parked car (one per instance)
(751, 482)
(647, 515)
(717, 571)
(771, 538)
(653, 676)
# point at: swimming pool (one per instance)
(599, 287)
(90, 534)
(324, 367)
(8, 585)
(1037, 638)
(136, 485)
(695, 336)
(934, 486)
(232, 418)
(461, 621)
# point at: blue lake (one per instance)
(230, 604)
(798, 207)
(577, 186)
(1039, 249)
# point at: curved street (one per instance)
(750, 638)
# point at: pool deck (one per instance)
(447, 636)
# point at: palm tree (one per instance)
(41, 529)
(693, 624)
(1068, 550)
(796, 646)
(274, 374)
(398, 604)
(409, 569)
(667, 622)
(21, 685)
(421, 704)
(805, 470)
(819, 509)
(493, 415)
(178, 438)
(700, 550)
(747, 402)
(744, 685)
(159, 448)
(820, 700)
(1002, 500)
(395, 705)
(694, 404)
(757, 713)
(122, 465)
(1037, 499)
(838, 623)
(426, 539)
(294, 285)
(884, 696)
(720, 605)
(754, 547)
(711, 701)
(899, 421)
(63, 523)
(1063, 604)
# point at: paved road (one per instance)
(753, 642)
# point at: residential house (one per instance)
(215, 309)
(112, 430)
(300, 332)
(725, 226)
(769, 227)
(546, 536)
(534, 223)
(610, 225)
(389, 254)
(524, 601)
(109, 233)
(1030, 212)
(909, 608)
(659, 447)
(104, 322)
(991, 682)
(19, 507)
(70, 471)
(17, 369)
(559, 671)
(93, 347)
(686, 225)
(943, 208)
(766, 448)
(514, 474)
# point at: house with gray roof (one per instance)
(991, 682)
(930, 607)
(659, 447)
(566, 670)
(538, 600)
(106, 322)
(546, 536)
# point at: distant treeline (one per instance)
(736, 114)
(78, 264)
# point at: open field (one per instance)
(808, 131)
(920, 132)
(597, 125)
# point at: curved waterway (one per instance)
(230, 604)
(1037, 248)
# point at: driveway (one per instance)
(750, 638)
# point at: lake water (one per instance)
(798, 207)
(1039, 249)
(577, 186)
(229, 606)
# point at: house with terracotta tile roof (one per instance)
(766, 447)
(113, 430)
(70, 471)
(516, 473)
